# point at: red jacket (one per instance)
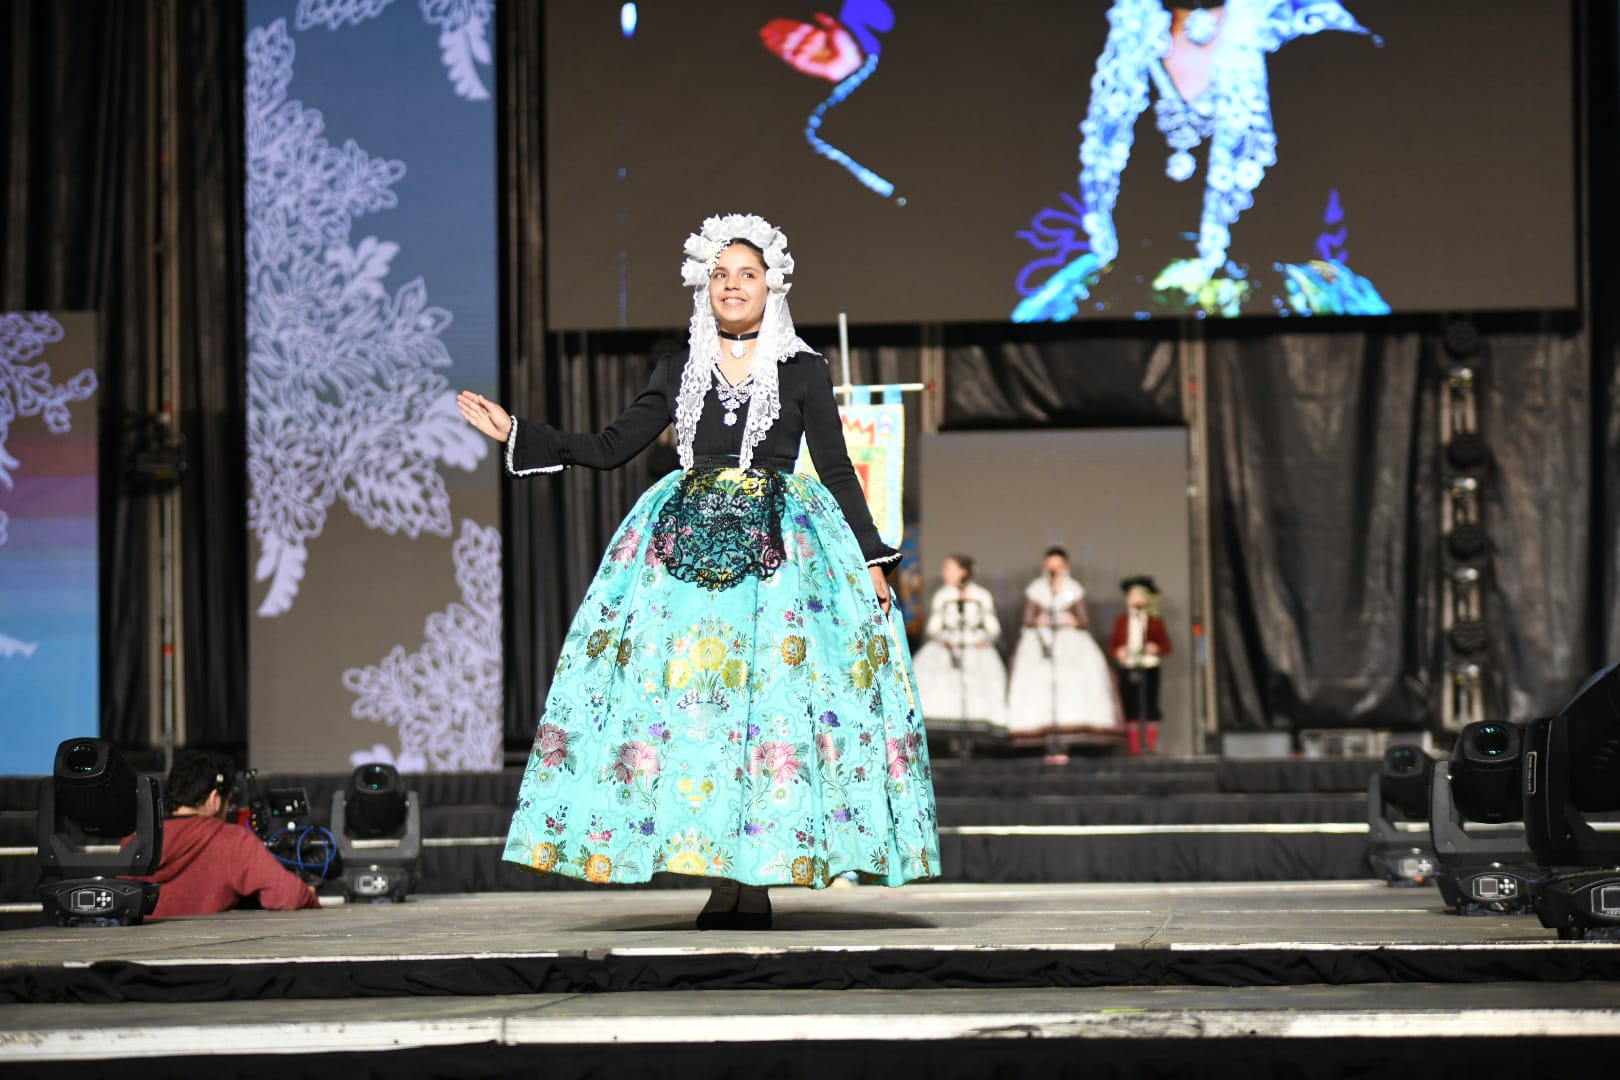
(210, 865)
(1156, 635)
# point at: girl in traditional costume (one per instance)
(733, 700)
(1061, 686)
(960, 676)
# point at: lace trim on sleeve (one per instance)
(884, 560)
(511, 445)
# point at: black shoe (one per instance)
(719, 918)
(752, 920)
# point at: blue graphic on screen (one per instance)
(845, 51)
(49, 653)
(372, 298)
(1204, 73)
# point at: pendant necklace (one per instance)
(738, 348)
(732, 397)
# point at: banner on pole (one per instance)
(875, 436)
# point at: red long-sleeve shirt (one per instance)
(1156, 634)
(210, 865)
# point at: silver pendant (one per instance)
(731, 418)
(739, 349)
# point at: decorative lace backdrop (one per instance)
(360, 469)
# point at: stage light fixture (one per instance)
(1572, 774)
(1397, 799)
(1487, 772)
(92, 801)
(1486, 870)
(1461, 340)
(378, 827)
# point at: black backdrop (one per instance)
(1323, 458)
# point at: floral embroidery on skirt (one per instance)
(719, 712)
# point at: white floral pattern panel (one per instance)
(372, 257)
(345, 396)
(444, 699)
(27, 388)
(463, 26)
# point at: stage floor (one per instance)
(1314, 960)
(1334, 915)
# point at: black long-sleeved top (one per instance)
(808, 409)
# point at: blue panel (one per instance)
(49, 656)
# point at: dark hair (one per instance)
(1056, 549)
(965, 562)
(194, 774)
(750, 245)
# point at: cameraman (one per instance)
(209, 864)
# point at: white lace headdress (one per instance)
(777, 339)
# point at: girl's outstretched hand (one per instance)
(484, 415)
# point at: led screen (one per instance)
(372, 298)
(1060, 160)
(49, 562)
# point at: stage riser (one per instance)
(967, 859)
(116, 981)
(1179, 857)
(1003, 1056)
(952, 778)
(17, 828)
(1109, 792)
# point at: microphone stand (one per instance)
(961, 675)
(1054, 740)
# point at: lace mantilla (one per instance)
(1234, 114)
(722, 527)
(777, 339)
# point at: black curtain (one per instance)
(1327, 486)
(212, 342)
(1035, 376)
(80, 233)
(1324, 505)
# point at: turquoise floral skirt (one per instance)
(730, 702)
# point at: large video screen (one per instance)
(1060, 160)
(371, 299)
(49, 558)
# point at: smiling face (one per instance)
(737, 289)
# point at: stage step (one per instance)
(957, 1033)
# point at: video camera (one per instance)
(281, 818)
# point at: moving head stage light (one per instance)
(378, 826)
(1482, 871)
(1571, 772)
(92, 801)
(1397, 796)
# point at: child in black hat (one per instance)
(1139, 645)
